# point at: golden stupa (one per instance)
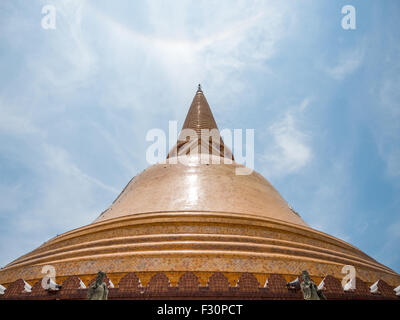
(200, 222)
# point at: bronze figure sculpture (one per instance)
(309, 288)
(98, 290)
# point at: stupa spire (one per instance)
(199, 115)
(198, 118)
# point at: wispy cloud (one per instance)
(16, 124)
(185, 51)
(70, 60)
(289, 149)
(58, 159)
(347, 63)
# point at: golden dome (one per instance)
(197, 187)
(197, 217)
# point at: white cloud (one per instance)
(58, 159)
(290, 150)
(347, 63)
(186, 52)
(16, 124)
(67, 60)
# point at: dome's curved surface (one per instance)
(193, 186)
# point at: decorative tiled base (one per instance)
(188, 287)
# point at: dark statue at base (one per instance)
(98, 290)
(309, 288)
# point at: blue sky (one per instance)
(76, 104)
